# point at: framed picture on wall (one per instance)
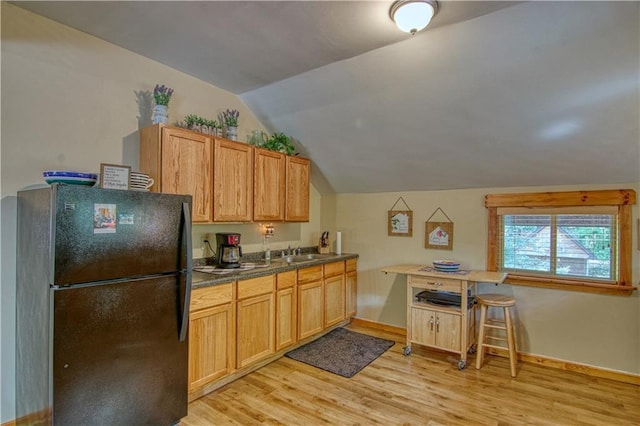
(439, 235)
(400, 223)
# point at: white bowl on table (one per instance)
(446, 265)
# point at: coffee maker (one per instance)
(229, 250)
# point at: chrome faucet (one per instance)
(289, 250)
(299, 251)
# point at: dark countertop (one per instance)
(202, 279)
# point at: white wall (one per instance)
(598, 330)
(69, 102)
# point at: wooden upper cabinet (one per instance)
(297, 189)
(180, 162)
(268, 185)
(232, 181)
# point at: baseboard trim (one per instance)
(379, 326)
(589, 370)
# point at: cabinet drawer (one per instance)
(256, 286)
(352, 265)
(286, 279)
(333, 269)
(310, 274)
(210, 296)
(433, 283)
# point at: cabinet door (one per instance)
(310, 309)
(352, 294)
(423, 326)
(268, 185)
(255, 329)
(285, 317)
(448, 331)
(297, 194)
(232, 181)
(334, 299)
(210, 345)
(186, 169)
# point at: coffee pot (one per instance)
(229, 250)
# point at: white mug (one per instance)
(141, 180)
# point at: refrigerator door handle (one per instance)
(184, 324)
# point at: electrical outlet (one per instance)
(207, 245)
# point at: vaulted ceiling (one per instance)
(491, 94)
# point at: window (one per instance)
(571, 240)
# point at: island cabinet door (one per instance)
(423, 326)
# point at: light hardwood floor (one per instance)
(424, 388)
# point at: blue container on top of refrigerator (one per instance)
(103, 290)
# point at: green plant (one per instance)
(279, 142)
(162, 94)
(230, 117)
(193, 119)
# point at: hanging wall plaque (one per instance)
(439, 235)
(400, 222)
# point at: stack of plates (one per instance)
(446, 265)
(69, 177)
(140, 181)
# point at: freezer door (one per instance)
(117, 358)
(103, 234)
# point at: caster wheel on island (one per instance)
(462, 364)
(472, 350)
(407, 350)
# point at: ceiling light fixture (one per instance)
(412, 16)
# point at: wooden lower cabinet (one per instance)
(310, 301)
(234, 326)
(286, 309)
(211, 335)
(436, 328)
(334, 293)
(255, 319)
(310, 309)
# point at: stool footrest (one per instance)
(486, 345)
(502, 339)
(497, 327)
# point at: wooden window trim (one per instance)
(623, 199)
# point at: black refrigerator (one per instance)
(103, 290)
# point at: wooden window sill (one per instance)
(585, 287)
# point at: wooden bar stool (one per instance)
(496, 301)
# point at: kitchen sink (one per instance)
(303, 257)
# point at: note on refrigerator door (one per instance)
(104, 218)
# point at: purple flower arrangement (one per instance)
(230, 117)
(162, 94)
